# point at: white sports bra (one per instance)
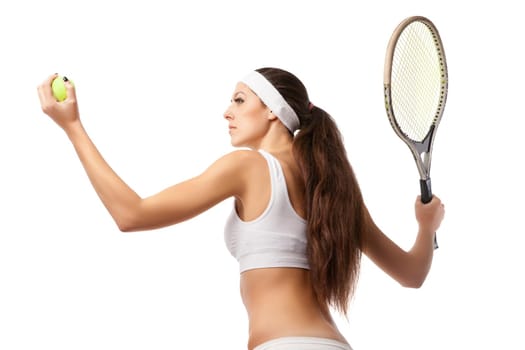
(277, 238)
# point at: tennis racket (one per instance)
(415, 87)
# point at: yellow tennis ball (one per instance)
(59, 88)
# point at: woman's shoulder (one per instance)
(242, 157)
(241, 161)
(242, 168)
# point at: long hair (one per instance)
(334, 203)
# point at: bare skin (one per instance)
(279, 301)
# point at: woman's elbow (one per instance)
(415, 281)
(125, 228)
(127, 222)
(413, 284)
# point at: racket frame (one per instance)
(421, 150)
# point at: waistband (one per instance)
(303, 343)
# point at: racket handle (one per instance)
(426, 197)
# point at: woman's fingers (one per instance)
(45, 94)
(70, 90)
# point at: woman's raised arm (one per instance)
(224, 178)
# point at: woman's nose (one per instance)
(227, 114)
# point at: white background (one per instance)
(153, 80)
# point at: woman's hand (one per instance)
(429, 215)
(64, 113)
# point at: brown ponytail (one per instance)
(334, 210)
(334, 204)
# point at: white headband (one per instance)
(273, 99)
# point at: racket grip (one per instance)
(426, 197)
(426, 190)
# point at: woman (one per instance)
(299, 224)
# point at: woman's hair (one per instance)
(334, 204)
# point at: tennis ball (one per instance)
(59, 88)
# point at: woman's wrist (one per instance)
(73, 129)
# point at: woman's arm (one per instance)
(223, 179)
(410, 268)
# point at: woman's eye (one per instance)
(238, 100)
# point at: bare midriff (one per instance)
(280, 303)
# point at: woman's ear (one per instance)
(271, 116)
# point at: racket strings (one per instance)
(417, 81)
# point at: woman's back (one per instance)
(279, 300)
(280, 303)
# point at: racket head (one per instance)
(416, 86)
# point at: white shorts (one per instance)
(303, 343)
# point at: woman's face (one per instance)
(248, 118)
